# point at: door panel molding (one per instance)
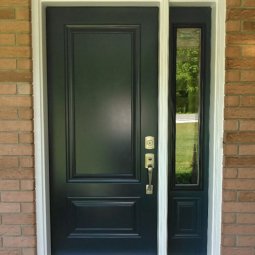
(132, 173)
(216, 115)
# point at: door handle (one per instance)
(149, 164)
(149, 187)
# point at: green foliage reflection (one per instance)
(187, 80)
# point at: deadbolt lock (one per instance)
(149, 143)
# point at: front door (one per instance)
(102, 104)
(102, 107)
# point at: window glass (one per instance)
(188, 60)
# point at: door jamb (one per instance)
(216, 115)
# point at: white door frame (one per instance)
(216, 115)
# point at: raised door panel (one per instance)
(103, 102)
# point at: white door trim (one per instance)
(216, 115)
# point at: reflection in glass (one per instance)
(188, 55)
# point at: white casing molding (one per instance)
(216, 115)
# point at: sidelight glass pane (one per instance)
(188, 61)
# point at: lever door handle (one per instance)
(149, 164)
(149, 187)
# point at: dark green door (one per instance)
(189, 100)
(102, 103)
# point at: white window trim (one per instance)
(216, 115)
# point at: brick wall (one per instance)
(17, 220)
(239, 144)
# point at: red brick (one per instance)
(238, 229)
(240, 89)
(28, 230)
(248, 3)
(15, 52)
(8, 114)
(246, 196)
(9, 207)
(230, 149)
(248, 101)
(19, 241)
(248, 51)
(236, 251)
(22, 13)
(27, 185)
(7, 13)
(230, 125)
(14, 2)
(229, 241)
(8, 137)
(246, 173)
(232, 76)
(24, 64)
(241, 39)
(247, 125)
(229, 196)
(233, 3)
(230, 173)
(26, 138)
(16, 219)
(23, 125)
(7, 64)
(239, 184)
(233, 25)
(28, 251)
(239, 113)
(15, 174)
(245, 218)
(15, 76)
(26, 162)
(23, 39)
(247, 75)
(16, 149)
(246, 241)
(229, 218)
(8, 251)
(17, 196)
(28, 207)
(240, 63)
(244, 161)
(7, 39)
(25, 114)
(249, 26)
(232, 100)
(8, 230)
(9, 185)
(24, 89)
(8, 162)
(240, 137)
(238, 207)
(15, 26)
(240, 14)
(8, 89)
(16, 101)
(233, 52)
(247, 149)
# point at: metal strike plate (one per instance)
(149, 143)
(149, 160)
(149, 189)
